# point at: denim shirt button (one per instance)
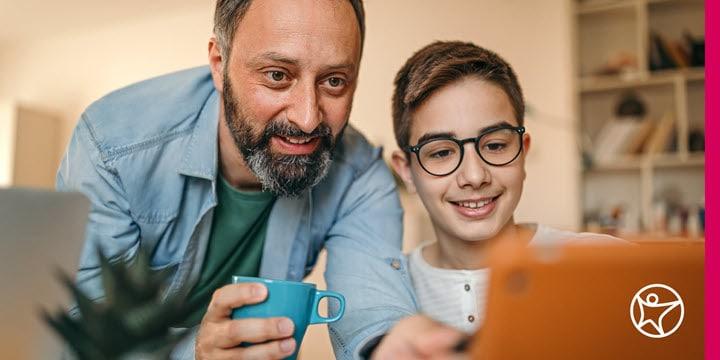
(395, 264)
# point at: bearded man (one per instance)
(248, 167)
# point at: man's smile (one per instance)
(291, 145)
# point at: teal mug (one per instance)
(295, 300)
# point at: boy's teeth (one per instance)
(297, 140)
(474, 204)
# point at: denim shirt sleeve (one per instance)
(85, 169)
(365, 262)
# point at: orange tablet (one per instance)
(594, 302)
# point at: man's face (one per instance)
(477, 201)
(288, 86)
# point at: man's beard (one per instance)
(282, 174)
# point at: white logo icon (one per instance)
(654, 310)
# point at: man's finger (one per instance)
(233, 296)
(235, 332)
(278, 349)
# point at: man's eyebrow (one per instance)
(272, 56)
(435, 135)
(277, 57)
(350, 67)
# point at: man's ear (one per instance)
(401, 165)
(216, 63)
(526, 143)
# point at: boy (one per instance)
(458, 119)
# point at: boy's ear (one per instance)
(526, 143)
(401, 165)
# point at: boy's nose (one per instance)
(473, 171)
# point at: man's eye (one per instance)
(276, 75)
(335, 82)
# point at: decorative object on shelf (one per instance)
(696, 140)
(696, 47)
(630, 105)
(617, 220)
(622, 63)
(626, 133)
(133, 322)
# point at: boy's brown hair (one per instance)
(440, 64)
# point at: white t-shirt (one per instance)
(457, 297)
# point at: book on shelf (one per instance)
(620, 137)
(640, 136)
(662, 136)
(665, 53)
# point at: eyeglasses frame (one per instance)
(461, 143)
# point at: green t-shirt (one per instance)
(236, 243)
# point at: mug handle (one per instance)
(315, 318)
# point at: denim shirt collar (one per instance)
(200, 159)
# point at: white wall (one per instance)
(7, 142)
(65, 73)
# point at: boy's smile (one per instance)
(475, 208)
(475, 202)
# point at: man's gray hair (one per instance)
(229, 13)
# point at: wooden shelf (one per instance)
(598, 6)
(635, 163)
(674, 2)
(650, 238)
(616, 82)
(679, 160)
(622, 163)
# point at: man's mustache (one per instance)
(287, 129)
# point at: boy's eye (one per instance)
(495, 147)
(441, 154)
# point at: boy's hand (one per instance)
(419, 337)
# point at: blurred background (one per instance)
(615, 94)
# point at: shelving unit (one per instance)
(28, 146)
(620, 31)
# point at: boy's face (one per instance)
(477, 201)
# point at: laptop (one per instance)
(594, 302)
(40, 232)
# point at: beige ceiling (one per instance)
(22, 20)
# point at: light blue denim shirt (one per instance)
(147, 158)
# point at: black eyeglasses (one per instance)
(497, 146)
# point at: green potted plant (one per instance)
(133, 321)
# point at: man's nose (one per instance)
(303, 110)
